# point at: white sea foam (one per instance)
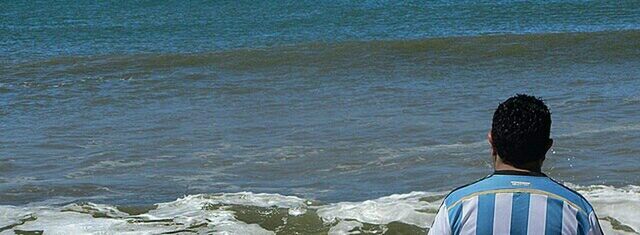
(619, 204)
(57, 221)
(405, 208)
(618, 209)
(345, 227)
(10, 216)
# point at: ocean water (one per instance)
(288, 117)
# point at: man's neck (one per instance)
(499, 165)
(505, 167)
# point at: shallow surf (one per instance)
(109, 112)
(259, 213)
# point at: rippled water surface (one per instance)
(131, 105)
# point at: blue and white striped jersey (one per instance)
(511, 202)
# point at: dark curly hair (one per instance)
(520, 129)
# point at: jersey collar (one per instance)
(526, 173)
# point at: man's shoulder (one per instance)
(494, 184)
(573, 196)
(467, 190)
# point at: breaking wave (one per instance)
(587, 47)
(259, 213)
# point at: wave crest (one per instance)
(259, 213)
(587, 47)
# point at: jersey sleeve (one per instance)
(594, 225)
(441, 224)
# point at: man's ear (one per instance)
(493, 148)
(549, 144)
